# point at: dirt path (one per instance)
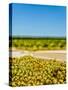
(59, 55)
(52, 54)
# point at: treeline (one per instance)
(39, 38)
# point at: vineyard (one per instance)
(31, 71)
(38, 43)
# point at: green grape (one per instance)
(55, 81)
(13, 84)
(61, 81)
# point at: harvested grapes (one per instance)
(31, 71)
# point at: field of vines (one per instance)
(38, 43)
(32, 71)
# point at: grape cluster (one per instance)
(31, 71)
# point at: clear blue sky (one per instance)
(38, 20)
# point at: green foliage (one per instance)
(39, 43)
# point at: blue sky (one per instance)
(38, 20)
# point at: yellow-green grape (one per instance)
(13, 84)
(47, 81)
(61, 81)
(55, 81)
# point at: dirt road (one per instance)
(52, 54)
(59, 55)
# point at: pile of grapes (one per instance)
(31, 71)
